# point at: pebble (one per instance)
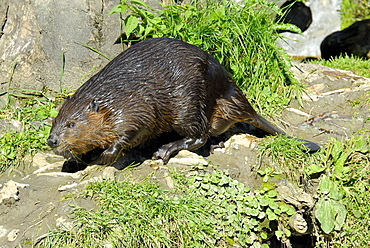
(10, 191)
(13, 235)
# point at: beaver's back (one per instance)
(154, 65)
(161, 78)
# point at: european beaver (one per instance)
(155, 86)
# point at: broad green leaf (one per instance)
(314, 168)
(261, 215)
(336, 192)
(270, 214)
(156, 19)
(131, 23)
(253, 212)
(325, 184)
(341, 213)
(116, 9)
(273, 204)
(277, 211)
(279, 233)
(272, 193)
(148, 30)
(264, 201)
(361, 144)
(287, 232)
(138, 2)
(263, 235)
(325, 214)
(289, 210)
(338, 171)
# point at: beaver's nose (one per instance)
(53, 141)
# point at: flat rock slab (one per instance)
(335, 104)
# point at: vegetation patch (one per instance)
(32, 112)
(207, 209)
(341, 172)
(354, 10)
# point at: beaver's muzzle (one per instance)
(53, 141)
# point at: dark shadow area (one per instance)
(138, 155)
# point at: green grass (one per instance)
(358, 66)
(354, 10)
(287, 156)
(346, 164)
(353, 233)
(342, 167)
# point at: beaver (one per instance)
(157, 85)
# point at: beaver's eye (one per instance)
(70, 124)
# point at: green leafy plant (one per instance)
(343, 191)
(241, 37)
(339, 156)
(341, 166)
(330, 211)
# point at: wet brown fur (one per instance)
(94, 130)
(156, 86)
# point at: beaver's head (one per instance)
(80, 128)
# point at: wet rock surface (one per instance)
(334, 105)
(33, 199)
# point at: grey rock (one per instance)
(13, 235)
(3, 231)
(9, 192)
(298, 223)
(294, 195)
(34, 34)
(9, 124)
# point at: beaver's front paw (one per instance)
(163, 153)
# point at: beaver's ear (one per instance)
(94, 105)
